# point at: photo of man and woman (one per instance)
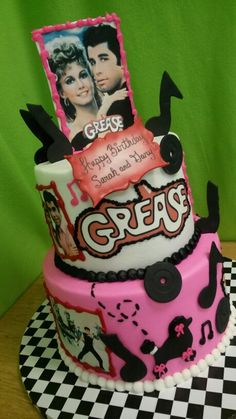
(90, 77)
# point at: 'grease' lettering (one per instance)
(114, 225)
(111, 123)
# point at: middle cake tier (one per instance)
(128, 229)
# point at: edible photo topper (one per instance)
(86, 68)
(114, 162)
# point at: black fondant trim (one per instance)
(123, 275)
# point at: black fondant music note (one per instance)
(210, 335)
(160, 125)
(134, 368)
(210, 223)
(55, 144)
(208, 293)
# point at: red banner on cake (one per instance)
(113, 162)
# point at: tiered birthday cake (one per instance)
(134, 278)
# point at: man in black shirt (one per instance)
(88, 347)
(103, 52)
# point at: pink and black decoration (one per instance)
(210, 223)
(207, 294)
(178, 344)
(162, 282)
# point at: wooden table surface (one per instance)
(14, 401)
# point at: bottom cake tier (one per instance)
(142, 335)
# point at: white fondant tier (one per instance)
(132, 228)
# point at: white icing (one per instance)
(186, 374)
(169, 381)
(154, 351)
(202, 365)
(159, 384)
(216, 354)
(178, 378)
(194, 370)
(148, 386)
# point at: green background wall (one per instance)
(194, 40)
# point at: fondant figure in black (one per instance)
(88, 337)
(208, 293)
(103, 52)
(134, 368)
(178, 344)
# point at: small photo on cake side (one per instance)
(60, 227)
(79, 331)
(86, 69)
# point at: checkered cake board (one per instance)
(57, 393)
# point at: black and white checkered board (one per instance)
(60, 394)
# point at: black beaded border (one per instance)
(130, 274)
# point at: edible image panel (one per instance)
(60, 228)
(86, 69)
(79, 333)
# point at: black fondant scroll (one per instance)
(55, 144)
(160, 125)
(211, 223)
(134, 368)
(222, 314)
(208, 293)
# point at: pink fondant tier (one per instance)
(115, 335)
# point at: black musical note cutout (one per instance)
(208, 293)
(222, 314)
(134, 368)
(211, 223)
(160, 125)
(55, 144)
(210, 335)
